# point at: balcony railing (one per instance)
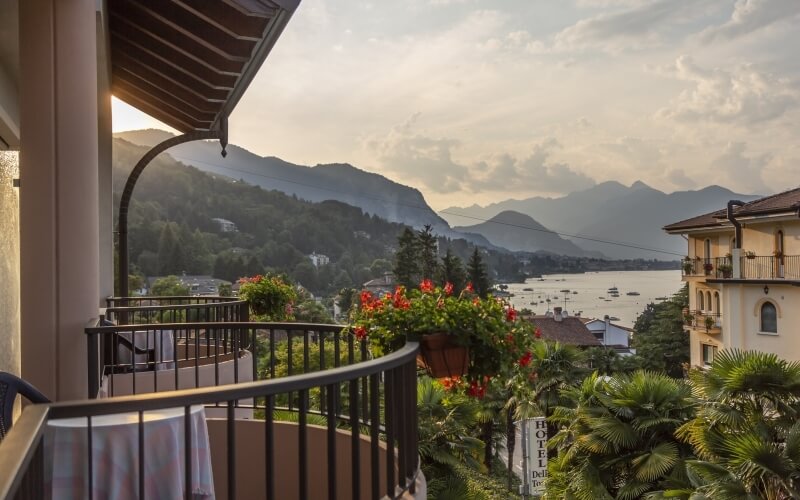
(704, 320)
(771, 267)
(301, 370)
(719, 267)
(142, 310)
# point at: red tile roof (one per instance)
(569, 330)
(787, 201)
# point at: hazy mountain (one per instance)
(372, 193)
(612, 212)
(519, 232)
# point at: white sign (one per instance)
(536, 440)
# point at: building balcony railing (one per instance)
(270, 391)
(771, 267)
(141, 310)
(716, 267)
(707, 321)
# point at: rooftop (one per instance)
(567, 330)
(787, 201)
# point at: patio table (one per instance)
(115, 456)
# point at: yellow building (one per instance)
(743, 271)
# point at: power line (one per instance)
(426, 208)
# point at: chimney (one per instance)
(557, 314)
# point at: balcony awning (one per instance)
(188, 62)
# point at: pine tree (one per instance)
(170, 259)
(428, 253)
(476, 272)
(406, 263)
(452, 271)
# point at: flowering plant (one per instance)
(271, 297)
(499, 342)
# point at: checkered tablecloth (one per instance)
(115, 456)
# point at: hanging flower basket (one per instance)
(442, 357)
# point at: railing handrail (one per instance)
(218, 298)
(231, 392)
(252, 325)
(168, 307)
(19, 446)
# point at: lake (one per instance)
(590, 287)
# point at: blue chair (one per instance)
(10, 386)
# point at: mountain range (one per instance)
(629, 216)
(609, 219)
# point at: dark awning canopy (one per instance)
(188, 62)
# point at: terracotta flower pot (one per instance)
(441, 357)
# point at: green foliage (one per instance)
(270, 297)
(661, 342)
(617, 436)
(224, 290)
(406, 266)
(746, 433)
(477, 274)
(499, 343)
(428, 253)
(168, 286)
(452, 271)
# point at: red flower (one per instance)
(510, 338)
(399, 291)
(476, 390)
(469, 287)
(511, 314)
(526, 359)
(448, 289)
(366, 297)
(360, 332)
(476, 301)
(450, 383)
(537, 333)
(426, 286)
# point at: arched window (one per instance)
(707, 250)
(700, 306)
(769, 318)
(708, 300)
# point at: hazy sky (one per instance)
(483, 100)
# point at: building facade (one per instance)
(743, 270)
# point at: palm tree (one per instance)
(617, 437)
(746, 434)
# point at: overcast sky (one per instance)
(483, 100)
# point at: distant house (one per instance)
(381, 285)
(610, 335)
(225, 225)
(319, 259)
(560, 327)
(198, 285)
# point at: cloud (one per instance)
(430, 161)
(752, 15)
(740, 96)
(640, 25)
(425, 159)
(537, 172)
(679, 178)
(737, 169)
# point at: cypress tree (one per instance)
(452, 271)
(428, 253)
(406, 262)
(476, 272)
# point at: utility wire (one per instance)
(426, 208)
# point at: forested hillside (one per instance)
(171, 230)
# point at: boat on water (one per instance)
(607, 300)
(574, 292)
(661, 298)
(613, 289)
(566, 290)
(601, 298)
(633, 293)
(527, 289)
(613, 318)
